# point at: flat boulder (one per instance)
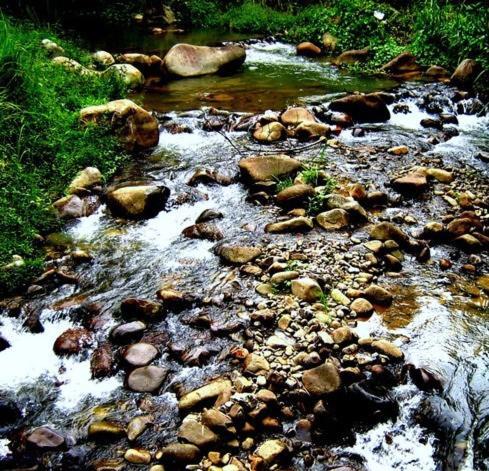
(465, 74)
(267, 167)
(404, 63)
(138, 202)
(387, 348)
(185, 60)
(388, 231)
(308, 49)
(362, 108)
(135, 127)
(321, 380)
(271, 451)
(146, 379)
(297, 115)
(238, 254)
(378, 295)
(410, 184)
(352, 56)
(297, 224)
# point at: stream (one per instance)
(440, 318)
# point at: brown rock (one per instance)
(321, 380)
(308, 49)
(465, 74)
(204, 393)
(362, 307)
(102, 361)
(45, 438)
(146, 379)
(298, 224)
(238, 254)
(180, 453)
(197, 434)
(333, 219)
(262, 168)
(362, 108)
(402, 64)
(306, 289)
(140, 354)
(270, 132)
(352, 56)
(295, 195)
(72, 341)
(297, 115)
(387, 348)
(378, 295)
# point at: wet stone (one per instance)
(129, 332)
(140, 354)
(322, 379)
(146, 379)
(72, 341)
(45, 438)
(197, 433)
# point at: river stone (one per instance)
(204, 231)
(321, 380)
(443, 176)
(309, 130)
(333, 219)
(138, 425)
(342, 335)
(352, 56)
(204, 393)
(271, 450)
(267, 167)
(196, 433)
(270, 132)
(135, 127)
(128, 332)
(142, 62)
(465, 74)
(141, 308)
(138, 202)
(297, 115)
(459, 226)
(180, 453)
(255, 363)
(306, 289)
(398, 150)
(387, 348)
(298, 224)
(238, 254)
(129, 74)
(339, 297)
(51, 47)
(208, 177)
(175, 300)
(147, 379)
(402, 64)
(218, 421)
(87, 178)
(44, 438)
(185, 60)
(378, 295)
(70, 207)
(102, 361)
(436, 72)
(412, 183)
(362, 108)
(137, 456)
(348, 204)
(295, 195)
(386, 231)
(362, 307)
(103, 58)
(140, 354)
(72, 341)
(105, 429)
(308, 49)
(283, 276)
(208, 215)
(468, 243)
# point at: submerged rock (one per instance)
(138, 202)
(185, 60)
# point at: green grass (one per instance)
(42, 145)
(284, 183)
(316, 202)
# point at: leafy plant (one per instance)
(283, 183)
(316, 202)
(310, 175)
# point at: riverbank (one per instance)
(42, 145)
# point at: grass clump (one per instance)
(42, 145)
(283, 183)
(316, 202)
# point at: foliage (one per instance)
(42, 145)
(316, 202)
(310, 176)
(283, 183)
(324, 300)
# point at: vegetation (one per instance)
(283, 183)
(42, 145)
(438, 31)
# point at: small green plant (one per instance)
(316, 202)
(310, 176)
(324, 300)
(295, 265)
(284, 183)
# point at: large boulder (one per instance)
(311, 130)
(196, 433)
(435, 72)
(465, 74)
(267, 167)
(185, 60)
(135, 127)
(103, 58)
(138, 202)
(129, 74)
(297, 115)
(402, 64)
(72, 341)
(362, 108)
(308, 49)
(144, 63)
(352, 56)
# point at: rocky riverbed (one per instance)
(322, 305)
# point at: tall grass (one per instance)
(42, 145)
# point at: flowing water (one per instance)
(445, 328)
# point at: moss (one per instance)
(42, 145)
